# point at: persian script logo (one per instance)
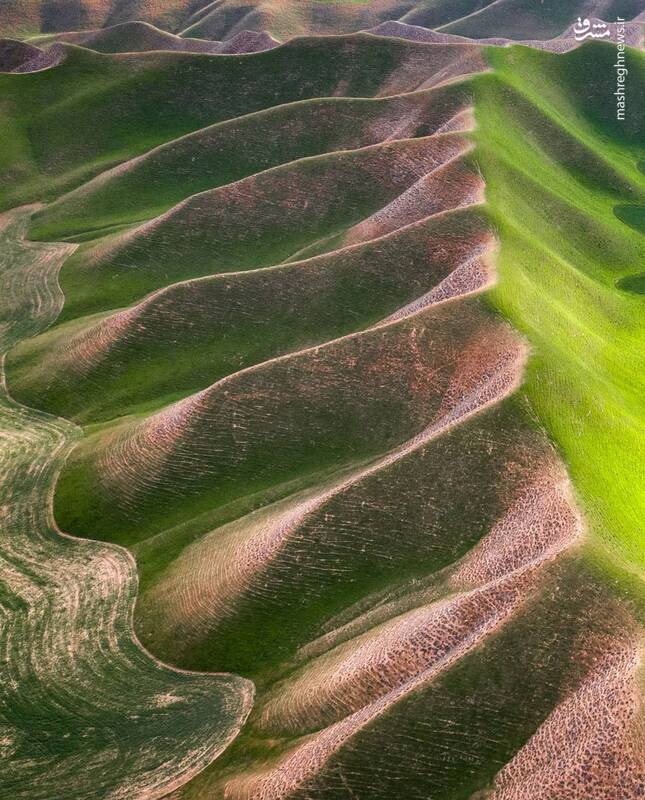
(583, 29)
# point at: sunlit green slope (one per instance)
(559, 168)
(309, 418)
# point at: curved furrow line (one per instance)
(85, 712)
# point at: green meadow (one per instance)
(557, 164)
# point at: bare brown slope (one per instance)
(248, 42)
(15, 54)
(18, 56)
(593, 743)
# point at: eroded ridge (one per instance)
(85, 712)
(312, 436)
(592, 744)
(376, 658)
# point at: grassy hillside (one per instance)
(85, 711)
(243, 227)
(313, 301)
(362, 399)
(147, 186)
(95, 110)
(564, 260)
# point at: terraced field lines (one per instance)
(85, 712)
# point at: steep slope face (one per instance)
(321, 440)
(15, 56)
(562, 236)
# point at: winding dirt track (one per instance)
(85, 712)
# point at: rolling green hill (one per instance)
(126, 104)
(564, 253)
(362, 396)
